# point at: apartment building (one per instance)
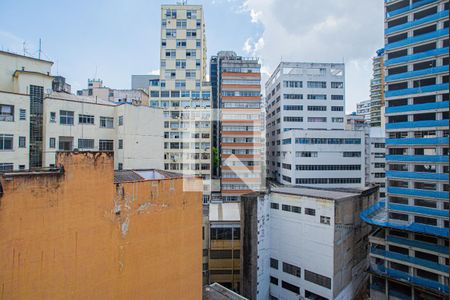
(377, 90)
(305, 243)
(183, 93)
(133, 132)
(239, 129)
(321, 158)
(377, 162)
(409, 252)
(363, 109)
(96, 89)
(23, 82)
(306, 140)
(133, 234)
(224, 244)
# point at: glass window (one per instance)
(6, 141)
(66, 117)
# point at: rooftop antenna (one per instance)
(24, 48)
(40, 48)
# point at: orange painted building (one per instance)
(84, 232)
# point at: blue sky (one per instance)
(114, 39)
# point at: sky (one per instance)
(114, 39)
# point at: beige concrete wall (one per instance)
(78, 236)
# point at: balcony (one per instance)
(418, 141)
(418, 210)
(412, 57)
(408, 25)
(415, 124)
(418, 193)
(417, 107)
(417, 175)
(410, 259)
(405, 277)
(415, 39)
(417, 244)
(417, 158)
(418, 73)
(407, 8)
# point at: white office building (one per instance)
(304, 243)
(363, 109)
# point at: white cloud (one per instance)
(319, 31)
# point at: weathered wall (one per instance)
(71, 236)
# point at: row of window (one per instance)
(312, 84)
(296, 209)
(327, 180)
(7, 142)
(7, 113)
(67, 118)
(300, 97)
(178, 94)
(66, 144)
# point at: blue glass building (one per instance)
(409, 254)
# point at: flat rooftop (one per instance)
(143, 175)
(322, 193)
(216, 291)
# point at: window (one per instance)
(191, 33)
(351, 154)
(337, 108)
(6, 113)
(106, 122)
(66, 143)
(86, 119)
(310, 211)
(296, 209)
(274, 205)
(6, 141)
(293, 84)
(337, 85)
(317, 108)
(22, 114)
(285, 207)
(274, 263)
(22, 142)
(120, 120)
(52, 117)
(171, 33)
(181, 23)
(325, 220)
(318, 279)
(317, 97)
(317, 84)
(120, 166)
(120, 144)
(106, 145)
(65, 117)
(273, 280)
(290, 287)
(337, 97)
(85, 143)
(6, 167)
(291, 269)
(52, 143)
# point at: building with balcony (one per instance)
(240, 124)
(377, 90)
(409, 253)
(183, 93)
(363, 109)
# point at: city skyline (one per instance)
(258, 29)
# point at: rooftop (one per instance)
(322, 193)
(24, 56)
(143, 175)
(76, 98)
(216, 291)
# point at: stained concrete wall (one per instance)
(76, 235)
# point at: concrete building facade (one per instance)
(409, 252)
(240, 129)
(363, 109)
(101, 234)
(377, 90)
(305, 243)
(183, 93)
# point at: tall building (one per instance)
(306, 140)
(131, 234)
(363, 109)
(183, 93)
(377, 90)
(409, 252)
(240, 127)
(305, 243)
